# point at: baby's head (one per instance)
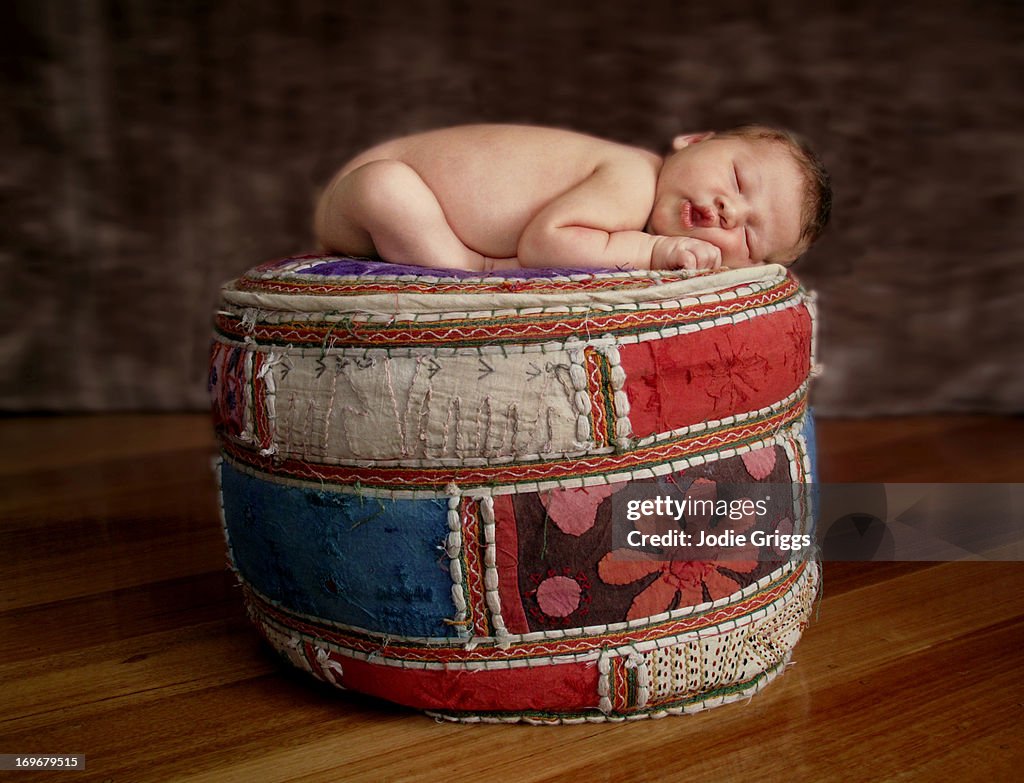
(759, 194)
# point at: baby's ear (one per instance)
(690, 138)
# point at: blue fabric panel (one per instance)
(812, 455)
(372, 563)
(812, 445)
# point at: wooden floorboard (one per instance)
(123, 637)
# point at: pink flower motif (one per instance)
(574, 511)
(559, 596)
(760, 462)
(681, 582)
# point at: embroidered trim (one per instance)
(292, 275)
(531, 325)
(473, 568)
(491, 571)
(616, 378)
(542, 647)
(454, 549)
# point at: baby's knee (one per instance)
(357, 202)
(381, 186)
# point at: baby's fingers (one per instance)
(708, 256)
(682, 258)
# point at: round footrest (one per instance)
(424, 474)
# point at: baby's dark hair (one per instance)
(817, 206)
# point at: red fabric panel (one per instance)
(562, 687)
(506, 556)
(716, 372)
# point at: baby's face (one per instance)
(742, 195)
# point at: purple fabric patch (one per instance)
(362, 266)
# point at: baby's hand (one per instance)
(685, 253)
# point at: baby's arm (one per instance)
(590, 225)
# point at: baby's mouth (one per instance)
(692, 215)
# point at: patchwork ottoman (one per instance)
(422, 472)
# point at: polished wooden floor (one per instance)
(122, 637)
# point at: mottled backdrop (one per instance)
(153, 149)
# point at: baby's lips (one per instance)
(703, 216)
(686, 214)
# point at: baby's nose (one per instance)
(731, 212)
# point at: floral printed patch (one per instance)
(570, 574)
(226, 386)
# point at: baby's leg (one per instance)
(384, 208)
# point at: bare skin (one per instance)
(484, 197)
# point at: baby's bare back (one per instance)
(491, 180)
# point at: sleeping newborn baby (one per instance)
(492, 197)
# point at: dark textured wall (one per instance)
(158, 149)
